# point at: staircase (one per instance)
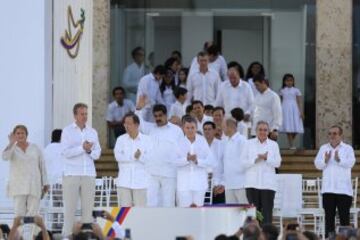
(293, 161)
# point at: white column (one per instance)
(25, 72)
(72, 76)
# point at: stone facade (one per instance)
(101, 67)
(333, 67)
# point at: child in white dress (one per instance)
(291, 107)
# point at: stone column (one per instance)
(101, 67)
(333, 67)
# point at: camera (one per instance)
(28, 220)
(96, 214)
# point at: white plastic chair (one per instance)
(209, 193)
(312, 212)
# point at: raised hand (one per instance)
(337, 158)
(12, 138)
(327, 156)
(137, 154)
(141, 102)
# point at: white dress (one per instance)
(292, 122)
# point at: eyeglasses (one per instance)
(332, 133)
(262, 129)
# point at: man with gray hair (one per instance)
(80, 148)
(234, 172)
(260, 157)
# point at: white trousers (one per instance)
(131, 197)
(161, 191)
(236, 196)
(186, 198)
(26, 205)
(75, 187)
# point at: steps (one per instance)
(293, 161)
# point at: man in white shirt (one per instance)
(203, 83)
(336, 159)
(235, 93)
(194, 157)
(260, 157)
(132, 153)
(178, 109)
(149, 87)
(81, 149)
(267, 107)
(216, 61)
(117, 109)
(217, 148)
(161, 166)
(134, 72)
(200, 117)
(234, 172)
(53, 157)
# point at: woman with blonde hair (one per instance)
(27, 177)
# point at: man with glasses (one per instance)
(336, 159)
(260, 157)
(162, 161)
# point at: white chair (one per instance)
(52, 208)
(209, 193)
(354, 211)
(100, 193)
(312, 212)
(6, 204)
(288, 198)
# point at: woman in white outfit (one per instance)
(27, 177)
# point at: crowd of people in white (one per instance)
(184, 125)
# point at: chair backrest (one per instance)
(355, 184)
(311, 193)
(209, 192)
(288, 197)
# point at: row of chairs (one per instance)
(311, 214)
(306, 192)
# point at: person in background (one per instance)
(117, 109)
(38, 221)
(242, 127)
(27, 175)
(194, 158)
(216, 60)
(81, 148)
(217, 149)
(183, 75)
(236, 92)
(291, 107)
(218, 117)
(178, 109)
(132, 153)
(54, 160)
(149, 87)
(267, 107)
(177, 55)
(336, 159)
(203, 82)
(208, 110)
(260, 157)
(255, 68)
(134, 72)
(234, 172)
(173, 64)
(167, 89)
(200, 117)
